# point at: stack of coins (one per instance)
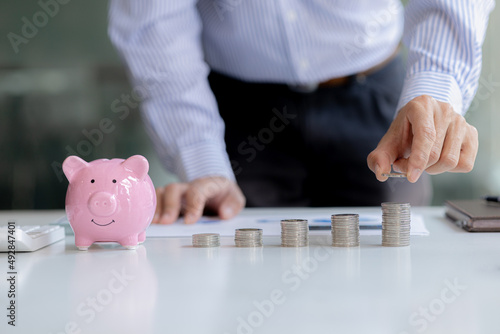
(248, 237)
(345, 230)
(395, 224)
(206, 240)
(294, 233)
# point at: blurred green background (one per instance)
(63, 81)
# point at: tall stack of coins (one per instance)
(396, 224)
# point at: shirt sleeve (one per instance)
(160, 40)
(444, 39)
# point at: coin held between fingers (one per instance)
(394, 174)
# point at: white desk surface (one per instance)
(448, 282)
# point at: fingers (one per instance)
(216, 193)
(442, 140)
(171, 202)
(442, 119)
(469, 151)
(232, 203)
(451, 152)
(400, 165)
(159, 205)
(197, 195)
(424, 137)
(380, 160)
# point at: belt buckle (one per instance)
(304, 88)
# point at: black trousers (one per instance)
(296, 148)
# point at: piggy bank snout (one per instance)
(102, 204)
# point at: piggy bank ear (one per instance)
(137, 165)
(72, 165)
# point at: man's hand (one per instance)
(217, 194)
(425, 135)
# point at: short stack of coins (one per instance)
(248, 237)
(294, 233)
(345, 230)
(396, 224)
(206, 240)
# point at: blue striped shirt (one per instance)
(170, 47)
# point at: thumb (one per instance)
(381, 159)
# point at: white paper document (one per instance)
(370, 224)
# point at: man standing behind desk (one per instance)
(304, 91)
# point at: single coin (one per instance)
(394, 174)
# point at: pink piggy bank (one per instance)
(109, 200)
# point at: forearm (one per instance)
(160, 43)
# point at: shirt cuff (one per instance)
(443, 87)
(203, 160)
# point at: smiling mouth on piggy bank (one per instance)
(111, 222)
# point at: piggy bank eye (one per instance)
(92, 181)
(114, 181)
